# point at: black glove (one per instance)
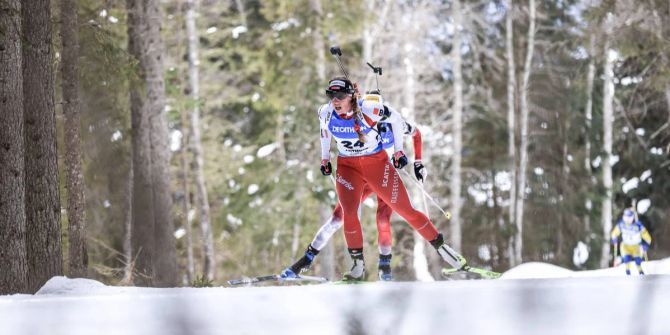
(419, 171)
(399, 160)
(326, 168)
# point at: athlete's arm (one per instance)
(646, 237)
(325, 133)
(615, 234)
(398, 126)
(416, 139)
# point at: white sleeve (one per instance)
(398, 124)
(325, 133)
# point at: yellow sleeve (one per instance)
(616, 232)
(645, 235)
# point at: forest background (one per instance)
(185, 143)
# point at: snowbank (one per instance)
(544, 270)
(536, 270)
(534, 298)
(63, 285)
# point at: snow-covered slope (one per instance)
(543, 270)
(534, 298)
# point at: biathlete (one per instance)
(635, 240)
(361, 161)
(383, 216)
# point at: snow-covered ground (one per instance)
(534, 298)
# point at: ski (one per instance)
(275, 278)
(470, 273)
(351, 282)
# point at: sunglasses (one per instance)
(339, 95)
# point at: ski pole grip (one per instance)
(375, 69)
(335, 50)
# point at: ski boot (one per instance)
(385, 268)
(448, 254)
(301, 265)
(357, 272)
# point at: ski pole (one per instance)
(337, 52)
(446, 214)
(425, 205)
(378, 72)
(333, 180)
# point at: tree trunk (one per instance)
(153, 240)
(588, 112)
(74, 177)
(327, 254)
(319, 43)
(371, 31)
(523, 159)
(608, 121)
(202, 199)
(455, 182)
(563, 192)
(13, 258)
(279, 138)
(511, 123)
(368, 39)
(419, 259)
(328, 262)
(43, 226)
(186, 199)
(498, 242)
(588, 118)
(128, 224)
(295, 240)
(240, 9)
(165, 265)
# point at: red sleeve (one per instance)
(416, 139)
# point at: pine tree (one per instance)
(152, 233)
(43, 226)
(13, 258)
(78, 260)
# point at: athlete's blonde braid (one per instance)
(357, 116)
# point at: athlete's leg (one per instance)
(638, 262)
(349, 190)
(328, 229)
(626, 258)
(385, 238)
(334, 223)
(320, 240)
(386, 182)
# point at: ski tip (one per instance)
(252, 280)
(308, 279)
(275, 278)
(235, 282)
(480, 273)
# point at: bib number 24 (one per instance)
(350, 145)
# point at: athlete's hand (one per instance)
(399, 160)
(326, 168)
(419, 171)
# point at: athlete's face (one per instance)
(627, 219)
(342, 105)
